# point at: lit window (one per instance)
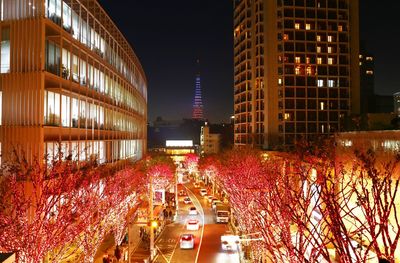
(309, 70)
(331, 83)
(308, 26)
(285, 37)
(369, 58)
(360, 56)
(297, 70)
(323, 128)
(307, 60)
(319, 60)
(340, 28)
(318, 38)
(318, 49)
(329, 49)
(297, 25)
(330, 38)
(297, 59)
(279, 81)
(321, 105)
(360, 63)
(5, 50)
(287, 116)
(330, 61)
(320, 83)
(369, 72)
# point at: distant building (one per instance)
(396, 102)
(296, 69)
(370, 101)
(367, 82)
(383, 104)
(381, 121)
(162, 130)
(210, 143)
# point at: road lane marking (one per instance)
(202, 229)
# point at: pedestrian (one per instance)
(170, 214)
(165, 213)
(105, 260)
(117, 253)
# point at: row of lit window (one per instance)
(367, 58)
(330, 60)
(320, 83)
(94, 150)
(318, 38)
(62, 110)
(62, 14)
(308, 27)
(70, 66)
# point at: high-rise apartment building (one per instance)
(69, 81)
(296, 69)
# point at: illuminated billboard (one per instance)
(179, 143)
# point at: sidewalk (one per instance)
(139, 249)
(141, 253)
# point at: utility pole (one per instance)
(176, 192)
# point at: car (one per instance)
(193, 211)
(215, 203)
(187, 200)
(182, 193)
(203, 192)
(211, 198)
(186, 241)
(230, 242)
(196, 185)
(192, 224)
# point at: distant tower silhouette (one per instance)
(197, 113)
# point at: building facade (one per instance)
(69, 82)
(210, 143)
(367, 83)
(296, 69)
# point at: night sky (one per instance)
(168, 37)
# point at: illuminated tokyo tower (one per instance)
(197, 113)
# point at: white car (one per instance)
(186, 241)
(230, 242)
(193, 211)
(187, 200)
(193, 224)
(203, 192)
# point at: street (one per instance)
(207, 246)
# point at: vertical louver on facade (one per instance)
(69, 82)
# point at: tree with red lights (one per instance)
(41, 210)
(191, 161)
(63, 208)
(373, 214)
(313, 206)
